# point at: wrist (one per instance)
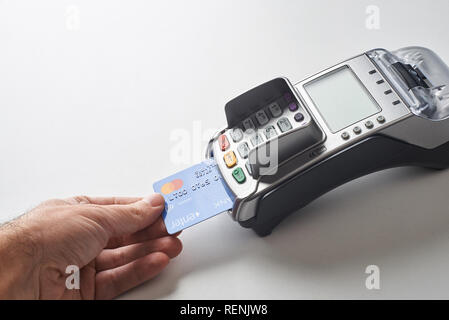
(19, 256)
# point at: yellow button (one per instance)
(230, 159)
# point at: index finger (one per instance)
(103, 200)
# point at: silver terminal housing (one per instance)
(417, 115)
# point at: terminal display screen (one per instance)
(341, 98)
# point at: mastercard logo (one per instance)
(172, 186)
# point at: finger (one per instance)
(111, 283)
(89, 200)
(119, 220)
(102, 200)
(113, 258)
(54, 202)
(154, 231)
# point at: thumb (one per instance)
(122, 219)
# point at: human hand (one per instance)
(117, 243)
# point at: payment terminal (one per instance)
(287, 144)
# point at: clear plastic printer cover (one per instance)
(430, 101)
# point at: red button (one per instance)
(223, 142)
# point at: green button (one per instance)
(239, 175)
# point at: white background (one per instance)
(91, 92)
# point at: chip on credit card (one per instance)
(193, 195)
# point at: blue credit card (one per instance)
(193, 195)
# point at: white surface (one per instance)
(89, 104)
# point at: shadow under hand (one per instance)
(214, 243)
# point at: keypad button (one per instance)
(223, 142)
(270, 132)
(345, 136)
(284, 125)
(369, 124)
(357, 130)
(248, 168)
(248, 124)
(293, 107)
(381, 119)
(261, 117)
(236, 135)
(239, 175)
(256, 140)
(275, 110)
(230, 159)
(243, 150)
(299, 117)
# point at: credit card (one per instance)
(193, 195)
